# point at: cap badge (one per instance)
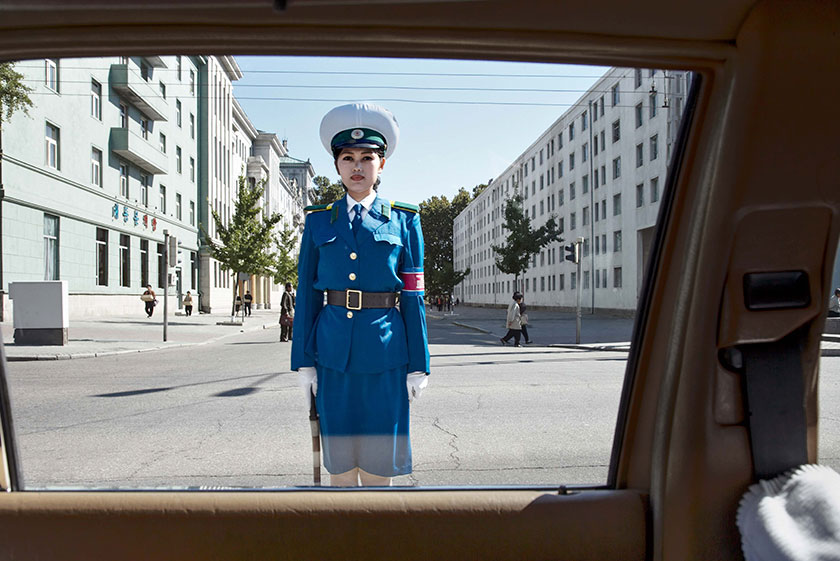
(357, 134)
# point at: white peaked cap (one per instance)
(360, 116)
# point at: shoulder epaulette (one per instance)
(318, 208)
(405, 206)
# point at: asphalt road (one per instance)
(231, 414)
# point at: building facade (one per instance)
(599, 170)
(101, 166)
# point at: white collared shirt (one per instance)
(367, 202)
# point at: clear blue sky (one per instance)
(461, 142)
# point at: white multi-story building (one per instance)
(600, 170)
(103, 163)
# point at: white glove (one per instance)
(308, 381)
(416, 382)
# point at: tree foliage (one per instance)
(285, 257)
(14, 94)
(438, 215)
(245, 244)
(513, 256)
(324, 192)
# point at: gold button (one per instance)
(353, 256)
(352, 276)
(349, 315)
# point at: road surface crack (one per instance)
(451, 443)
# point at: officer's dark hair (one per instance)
(378, 151)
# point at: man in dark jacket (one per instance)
(287, 306)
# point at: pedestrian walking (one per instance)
(513, 321)
(523, 320)
(188, 304)
(364, 358)
(238, 302)
(247, 300)
(287, 313)
(149, 299)
(834, 304)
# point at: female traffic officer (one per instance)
(363, 352)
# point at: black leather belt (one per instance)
(356, 299)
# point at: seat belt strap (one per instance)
(776, 404)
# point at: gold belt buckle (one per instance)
(350, 291)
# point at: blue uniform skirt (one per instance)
(364, 421)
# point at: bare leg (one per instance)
(370, 480)
(346, 479)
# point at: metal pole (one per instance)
(579, 251)
(165, 281)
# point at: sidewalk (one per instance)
(109, 335)
(600, 332)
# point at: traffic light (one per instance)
(173, 251)
(572, 252)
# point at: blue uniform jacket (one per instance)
(387, 251)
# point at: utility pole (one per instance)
(573, 254)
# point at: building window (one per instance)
(654, 147)
(145, 127)
(603, 175)
(617, 277)
(163, 143)
(617, 241)
(51, 74)
(192, 126)
(50, 247)
(573, 281)
(615, 97)
(178, 65)
(192, 170)
(144, 263)
(124, 180)
(583, 121)
(617, 204)
(178, 112)
(571, 161)
(595, 177)
(640, 156)
(585, 274)
(572, 221)
(654, 189)
(192, 82)
(96, 167)
(162, 206)
(560, 140)
(101, 257)
(178, 159)
(595, 144)
(616, 130)
(162, 89)
(562, 282)
(145, 71)
(123, 115)
(617, 168)
(96, 99)
(604, 209)
(178, 206)
(161, 266)
(571, 132)
(639, 115)
(584, 150)
(194, 269)
(52, 155)
(638, 81)
(145, 185)
(125, 260)
(585, 184)
(640, 194)
(586, 216)
(597, 271)
(572, 193)
(653, 105)
(560, 169)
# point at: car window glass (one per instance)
(123, 169)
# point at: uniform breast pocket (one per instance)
(390, 244)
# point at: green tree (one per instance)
(245, 243)
(285, 257)
(522, 243)
(438, 216)
(14, 96)
(323, 192)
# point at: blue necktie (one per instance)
(357, 218)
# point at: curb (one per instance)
(89, 354)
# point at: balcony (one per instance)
(138, 151)
(128, 83)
